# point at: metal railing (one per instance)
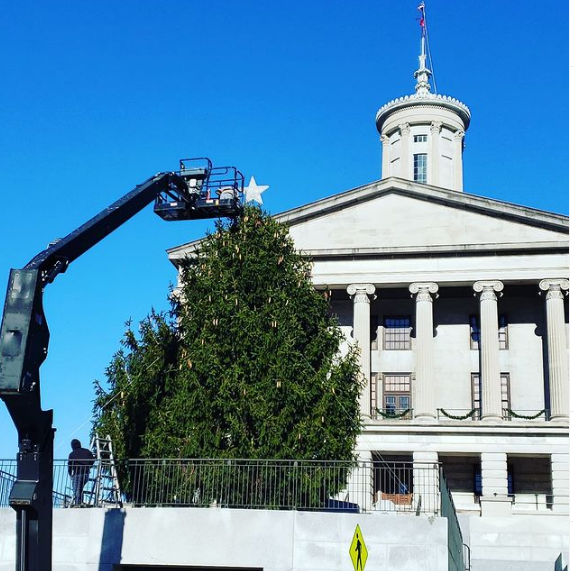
(61, 494)
(507, 414)
(410, 487)
(456, 555)
(458, 414)
(530, 414)
(391, 413)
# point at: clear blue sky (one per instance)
(98, 96)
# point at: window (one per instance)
(420, 138)
(397, 392)
(476, 388)
(397, 332)
(476, 395)
(477, 481)
(420, 167)
(391, 394)
(505, 392)
(475, 332)
(502, 332)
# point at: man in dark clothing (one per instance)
(80, 461)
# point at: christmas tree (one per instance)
(247, 365)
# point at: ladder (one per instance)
(106, 486)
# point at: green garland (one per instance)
(393, 414)
(525, 416)
(454, 417)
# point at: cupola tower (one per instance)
(422, 134)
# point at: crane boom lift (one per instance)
(197, 191)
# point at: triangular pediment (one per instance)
(402, 216)
(399, 217)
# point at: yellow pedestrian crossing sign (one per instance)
(358, 550)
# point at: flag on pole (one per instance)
(422, 18)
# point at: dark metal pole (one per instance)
(24, 338)
(31, 498)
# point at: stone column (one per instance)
(557, 347)
(360, 489)
(435, 153)
(489, 349)
(406, 169)
(386, 163)
(495, 500)
(423, 385)
(457, 160)
(362, 334)
(426, 490)
(560, 483)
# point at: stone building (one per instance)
(457, 304)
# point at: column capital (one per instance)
(435, 127)
(404, 128)
(424, 290)
(488, 289)
(459, 135)
(385, 140)
(554, 287)
(361, 292)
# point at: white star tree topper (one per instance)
(254, 191)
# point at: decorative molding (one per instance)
(424, 100)
(554, 287)
(459, 135)
(435, 127)
(430, 96)
(488, 289)
(424, 291)
(361, 292)
(404, 129)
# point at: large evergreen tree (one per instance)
(247, 365)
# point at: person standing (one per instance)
(80, 461)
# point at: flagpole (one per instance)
(423, 74)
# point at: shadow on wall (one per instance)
(112, 539)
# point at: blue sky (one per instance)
(98, 96)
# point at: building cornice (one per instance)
(458, 250)
(418, 101)
(522, 429)
(454, 199)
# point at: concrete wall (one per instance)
(95, 539)
(517, 543)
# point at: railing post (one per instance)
(426, 482)
(360, 487)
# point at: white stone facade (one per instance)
(475, 293)
(457, 304)
(454, 267)
(431, 126)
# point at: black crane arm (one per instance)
(24, 335)
(197, 191)
(56, 258)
